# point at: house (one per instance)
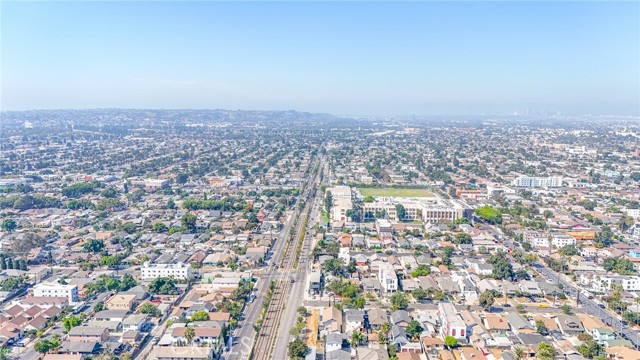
(431, 345)
(569, 324)
(315, 282)
(64, 357)
(365, 353)
(121, 302)
(354, 320)
(601, 335)
(80, 347)
(111, 315)
(331, 320)
(398, 337)
(135, 322)
(333, 342)
(88, 334)
(377, 317)
(400, 318)
(181, 353)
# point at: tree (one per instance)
(189, 222)
(297, 349)
(189, 334)
(159, 227)
(489, 214)
(71, 322)
(182, 178)
(98, 307)
(5, 353)
(463, 238)
(93, 246)
(334, 266)
(44, 346)
(414, 329)
(399, 301)
(419, 294)
(590, 349)
(541, 328)
(604, 238)
(527, 246)
(200, 315)
(357, 338)
(566, 309)
(109, 192)
(302, 311)
(585, 337)
(171, 204)
(545, 351)
(401, 212)
(328, 201)
(108, 260)
(129, 227)
(518, 353)
(163, 286)
(8, 225)
(547, 214)
(359, 303)
(486, 299)
(450, 342)
(150, 309)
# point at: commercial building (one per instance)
(428, 209)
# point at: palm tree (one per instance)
(518, 353)
(189, 334)
(357, 338)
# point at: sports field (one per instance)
(395, 192)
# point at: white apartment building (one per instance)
(388, 278)
(55, 289)
(634, 213)
(528, 181)
(452, 323)
(604, 283)
(341, 203)
(177, 271)
(541, 240)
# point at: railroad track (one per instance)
(268, 333)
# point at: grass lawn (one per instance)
(325, 216)
(395, 192)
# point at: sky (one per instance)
(345, 58)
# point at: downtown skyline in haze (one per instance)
(345, 58)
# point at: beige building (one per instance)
(121, 302)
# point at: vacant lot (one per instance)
(395, 192)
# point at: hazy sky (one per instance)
(344, 58)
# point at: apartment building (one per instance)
(604, 283)
(535, 182)
(179, 270)
(452, 323)
(341, 203)
(388, 278)
(56, 290)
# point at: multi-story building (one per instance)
(452, 323)
(341, 203)
(56, 290)
(428, 209)
(604, 283)
(541, 240)
(177, 271)
(528, 181)
(388, 278)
